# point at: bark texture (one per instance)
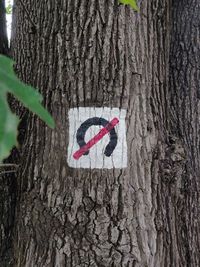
(99, 53)
(178, 189)
(184, 84)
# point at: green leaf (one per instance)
(132, 3)
(30, 97)
(8, 127)
(9, 9)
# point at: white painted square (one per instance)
(96, 157)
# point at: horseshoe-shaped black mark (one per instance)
(80, 136)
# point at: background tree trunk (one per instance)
(97, 53)
(3, 32)
(7, 181)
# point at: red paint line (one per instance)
(96, 138)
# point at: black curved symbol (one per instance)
(80, 136)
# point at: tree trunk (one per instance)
(182, 196)
(101, 54)
(7, 181)
(3, 32)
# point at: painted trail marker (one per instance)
(97, 138)
(84, 148)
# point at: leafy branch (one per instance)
(31, 99)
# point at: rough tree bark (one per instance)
(97, 53)
(181, 197)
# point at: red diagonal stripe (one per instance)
(96, 138)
